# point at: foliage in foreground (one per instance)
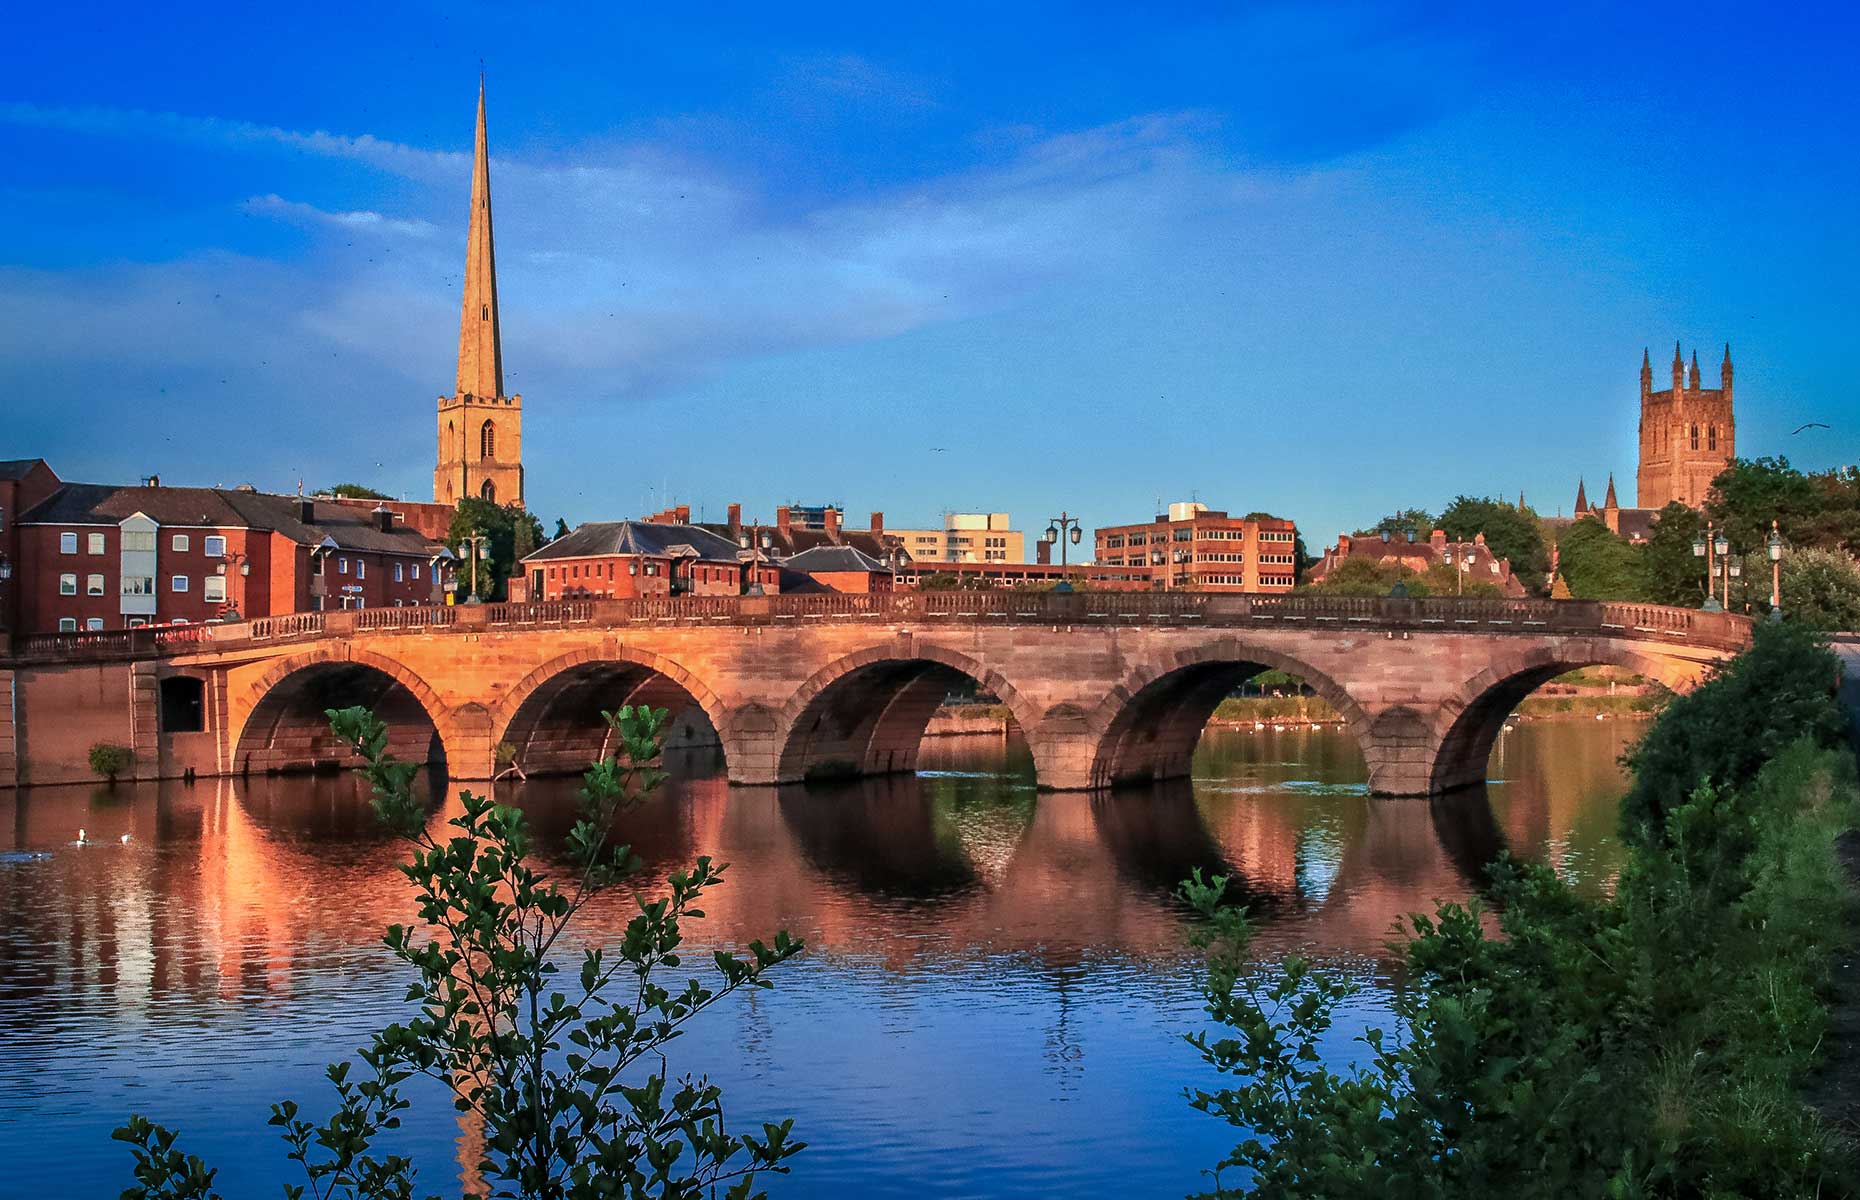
(1652, 1043)
(108, 760)
(567, 1081)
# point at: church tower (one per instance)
(1687, 434)
(480, 428)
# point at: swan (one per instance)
(82, 840)
(124, 839)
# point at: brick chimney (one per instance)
(384, 520)
(736, 518)
(1042, 552)
(1438, 539)
(683, 514)
(306, 510)
(781, 521)
(878, 523)
(832, 520)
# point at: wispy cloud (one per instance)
(357, 221)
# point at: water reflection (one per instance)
(973, 944)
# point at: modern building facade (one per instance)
(1198, 548)
(965, 538)
(91, 557)
(480, 428)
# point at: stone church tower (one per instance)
(480, 428)
(1687, 434)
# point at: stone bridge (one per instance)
(1107, 688)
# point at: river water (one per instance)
(992, 1003)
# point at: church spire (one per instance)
(481, 356)
(1582, 498)
(1609, 501)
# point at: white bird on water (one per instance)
(82, 840)
(124, 839)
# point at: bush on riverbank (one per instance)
(562, 1073)
(1652, 1043)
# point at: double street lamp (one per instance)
(1702, 547)
(755, 539)
(479, 552)
(231, 611)
(1715, 549)
(1061, 529)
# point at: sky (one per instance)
(1327, 261)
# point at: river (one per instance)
(992, 1003)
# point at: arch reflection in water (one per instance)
(981, 954)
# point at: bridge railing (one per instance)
(1719, 631)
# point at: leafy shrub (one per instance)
(108, 760)
(569, 1083)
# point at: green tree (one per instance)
(1417, 521)
(1598, 565)
(569, 1081)
(1821, 590)
(356, 491)
(561, 529)
(1510, 532)
(1361, 576)
(1674, 575)
(1837, 527)
(1750, 493)
(499, 524)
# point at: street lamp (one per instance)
(231, 611)
(1702, 547)
(756, 541)
(1722, 545)
(1775, 547)
(1061, 529)
(479, 552)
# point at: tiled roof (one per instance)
(351, 528)
(600, 538)
(17, 468)
(834, 559)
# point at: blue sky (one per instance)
(1323, 260)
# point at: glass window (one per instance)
(213, 546)
(94, 624)
(138, 585)
(138, 539)
(399, 572)
(178, 583)
(67, 543)
(416, 570)
(361, 568)
(67, 624)
(213, 589)
(96, 543)
(342, 566)
(93, 585)
(67, 585)
(180, 542)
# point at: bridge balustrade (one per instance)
(1447, 613)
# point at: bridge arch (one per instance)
(1470, 720)
(1148, 726)
(552, 717)
(283, 726)
(865, 713)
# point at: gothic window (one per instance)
(1711, 438)
(484, 312)
(487, 440)
(488, 491)
(1695, 437)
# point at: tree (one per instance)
(499, 525)
(568, 1083)
(1821, 590)
(1673, 574)
(1417, 521)
(1510, 532)
(355, 491)
(1750, 493)
(1598, 565)
(1363, 577)
(561, 529)
(1837, 527)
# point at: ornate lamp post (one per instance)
(478, 551)
(231, 612)
(1702, 546)
(755, 540)
(1723, 546)
(1060, 529)
(1775, 572)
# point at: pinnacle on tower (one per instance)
(1609, 501)
(1693, 379)
(481, 358)
(1582, 498)
(1679, 370)
(1724, 372)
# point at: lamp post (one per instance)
(1723, 546)
(1060, 529)
(1774, 545)
(1183, 559)
(478, 551)
(244, 565)
(755, 540)
(1459, 570)
(1702, 547)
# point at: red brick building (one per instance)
(1201, 549)
(1475, 562)
(1097, 577)
(625, 559)
(97, 556)
(842, 569)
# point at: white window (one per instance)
(96, 543)
(400, 572)
(67, 544)
(361, 568)
(213, 546)
(67, 585)
(94, 624)
(93, 585)
(180, 542)
(213, 589)
(67, 624)
(416, 570)
(178, 583)
(139, 539)
(342, 566)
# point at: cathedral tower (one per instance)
(480, 428)
(1687, 434)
